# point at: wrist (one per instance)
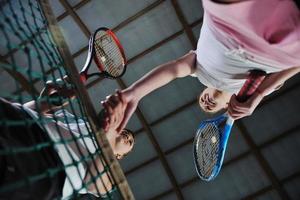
(133, 93)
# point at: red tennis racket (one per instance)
(108, 54)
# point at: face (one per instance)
(122, 144)
(213, 100)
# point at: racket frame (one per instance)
(91, 55)
(224, 135)
(251, 84)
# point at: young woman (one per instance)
(237, 36)
(70, 143)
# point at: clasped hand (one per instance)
(239, 110)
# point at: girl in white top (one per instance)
(236, 36)
(62, 126)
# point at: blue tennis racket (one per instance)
(212, 135)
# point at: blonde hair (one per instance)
(208, 111)
(127, 132)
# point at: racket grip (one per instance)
(54, 96)
(250, 86)
(54, 99)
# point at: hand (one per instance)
(127, 105)
(114, 106)
(58, 89)
(239, 110)
(131, 102)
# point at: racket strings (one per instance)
(108, 54)
(207, 149)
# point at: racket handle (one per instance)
(54, 99)
(252, 83)
(54, 95)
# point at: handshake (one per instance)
(118, 107)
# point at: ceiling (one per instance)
(262, 159)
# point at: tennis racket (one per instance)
(212, 135)
(108, 54)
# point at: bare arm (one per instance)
(155, 79)
(274, 81)
(270, 84)
(102, 184)
(45, 106)
(164, 74)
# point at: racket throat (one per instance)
(229, 121)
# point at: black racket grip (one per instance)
(252, 83)
(54, 99)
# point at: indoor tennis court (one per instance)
(45, 40)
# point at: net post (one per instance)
(111, 161)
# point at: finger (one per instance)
(114, 100)
(110, 103)
(119, 107)
(234, 115)
(125, 119)
(103, 112)
(107, 97)
(123, 124)
(104, 120)
(233, 111)
(105, 126)
(109, 111)
(113, 113)
(237, 106)
(237, 115)
(123, 101)
(121, 96)
(241, 106)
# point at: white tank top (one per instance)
(71, 151)
(225, 67)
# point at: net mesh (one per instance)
(46, 152)
(207, 149)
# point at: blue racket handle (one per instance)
(250, 86)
